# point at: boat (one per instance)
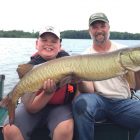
(105, 130)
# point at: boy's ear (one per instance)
(36, 44)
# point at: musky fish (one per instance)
(90, 67)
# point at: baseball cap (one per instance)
(50, 29)
(98, 16)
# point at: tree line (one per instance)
(69, 34)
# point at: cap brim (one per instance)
(49, 32)
(99, 19)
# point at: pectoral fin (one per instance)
(69, 79)
(4, 102)
(65, 81)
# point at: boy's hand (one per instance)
(49, 87)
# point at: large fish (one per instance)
(84, 67)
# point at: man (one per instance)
(49, 106)
(112, 97)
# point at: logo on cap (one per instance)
(50, 29)
(98, 16)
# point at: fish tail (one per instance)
(4, 102)
(7, 103)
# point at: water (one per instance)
(15, 51)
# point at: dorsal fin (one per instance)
(23, 69)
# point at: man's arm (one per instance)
(86, 87)
(137, 78)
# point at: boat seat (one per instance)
(107, 130)
(1, 135)
(104, 130)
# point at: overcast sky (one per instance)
(31, 15)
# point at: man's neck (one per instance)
(102, 47)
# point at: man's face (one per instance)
(48, 45)
(99, 32)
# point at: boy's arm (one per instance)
(34, 102)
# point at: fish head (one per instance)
(135, 56)
(130, 58)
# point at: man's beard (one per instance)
(105, 37)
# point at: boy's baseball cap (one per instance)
(50, 29)
(98, 16)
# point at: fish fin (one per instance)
(65, 81)
(11, 111)
(7, 103)
(130, 77)
(69, 79)
(76, 80)
(4, 102)
(23, 69)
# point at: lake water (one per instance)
(15, 51)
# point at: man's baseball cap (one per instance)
(50, 29)
(98, 16)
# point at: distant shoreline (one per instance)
(69, 34)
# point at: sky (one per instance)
(32, 15)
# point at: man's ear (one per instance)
(90, 33)
(89, 30)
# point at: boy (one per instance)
(49, 106)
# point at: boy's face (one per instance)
(48, 45)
